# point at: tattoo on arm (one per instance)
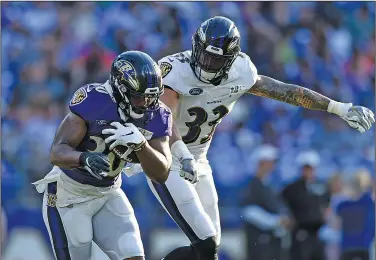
(289, 93)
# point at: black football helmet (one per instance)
(215, 46)
(136, 81)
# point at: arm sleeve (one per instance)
(86, 101)
(250, 71)
(162, 125)
(78, 103)
(171, 73)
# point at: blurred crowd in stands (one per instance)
(49, 49)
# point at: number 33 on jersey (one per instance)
(202, 106)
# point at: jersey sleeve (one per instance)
(85, 100)
(248, 70)
(171, 68)
(79, 103)
(167, 122)
(161, 125)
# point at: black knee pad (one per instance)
(182, 253)
(206, 249)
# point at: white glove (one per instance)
(188, 170)
(126, 135)
(358, 117)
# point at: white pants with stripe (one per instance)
(76, 215)
(194, 208)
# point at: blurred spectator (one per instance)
(307, 199)
(72, 44)
(331, 233)
(357, 216)
(266, 220)
(4, 228)
(49, 49)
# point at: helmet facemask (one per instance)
(134, 104)
(136, 81)
(209, 64)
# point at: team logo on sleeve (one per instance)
(78, 96)
(165, 68)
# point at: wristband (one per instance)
(180, 150)
(339, 108)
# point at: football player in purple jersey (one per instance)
(108, 125)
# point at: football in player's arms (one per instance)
(108, 125)
(120, 151)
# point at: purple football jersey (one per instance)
(93, 104)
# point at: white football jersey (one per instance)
(202, 106)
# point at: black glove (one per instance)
(97, 164)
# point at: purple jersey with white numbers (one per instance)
(93, 104)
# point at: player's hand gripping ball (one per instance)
(112, 137)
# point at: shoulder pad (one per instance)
(176, 70)
(246, 69)
(78, 97)
(86, 98)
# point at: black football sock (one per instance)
(181, 253)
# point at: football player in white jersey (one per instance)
(201, 87)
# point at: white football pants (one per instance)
(85, 214)
(194, 208)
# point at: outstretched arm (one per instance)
(289, 93)
(357, 117)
